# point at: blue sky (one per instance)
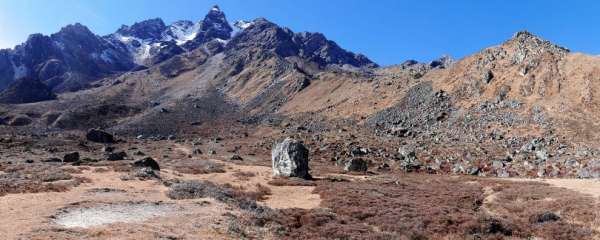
(387, 31)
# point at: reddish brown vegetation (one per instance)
(278, 181)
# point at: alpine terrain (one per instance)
(219, 129)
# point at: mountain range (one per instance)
(74, 57)
(517, 104)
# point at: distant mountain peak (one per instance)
(215, 8)
(147, 29)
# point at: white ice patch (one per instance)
(240, 26)
(140, 53)
(86, 217)
(59, 45)
(222, 41)
(106, 56)
(182, 33)
(19, 71)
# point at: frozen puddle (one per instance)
(96, 215)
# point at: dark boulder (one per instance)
(236, 157)
(356, 165)
(99, 136)
(545, 217)
(147, 162)
(116, 156)
(71, 157)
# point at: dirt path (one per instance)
(585, 186)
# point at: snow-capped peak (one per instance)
(215, 8)
(241, 24)
(181, 32)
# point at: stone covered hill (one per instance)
(522, 108)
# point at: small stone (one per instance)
(356, 165)
(236, 157)
(545, 217)
(107, 149)
(147, 162)
(116, 156)
(99, 136)
(71, 157)
(53, 159)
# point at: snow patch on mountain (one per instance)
(239, 26)
(19, 71)
(181, 32)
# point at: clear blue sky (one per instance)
(388, 31)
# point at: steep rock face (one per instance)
(214, 26)
(148, 29)
(26, 90)
(261, 37)
(315, 47)
(67, 60)
(6, 68)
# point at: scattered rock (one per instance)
(99, 136)
(147, 162)
(197, 151)
(145, 173)
(236, 157)
(139, 153)
(545, 217)
(108, 149)
(290, 159)
(53, 159)
(116, 156)
(356, 165)
(71, 157)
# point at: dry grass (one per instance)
(416, 206)
(243, 176)
(522, 203)
(280, 181)
(198, 167)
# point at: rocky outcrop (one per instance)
(99, 136)
(290, 159)
(214, 27)
(262, 38)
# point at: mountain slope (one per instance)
(26, 90)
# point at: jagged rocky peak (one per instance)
(525, 44)
(77, 36)
(265, 36)
(215, 24)
(444, 61)
(74, 29)
(148, 29)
